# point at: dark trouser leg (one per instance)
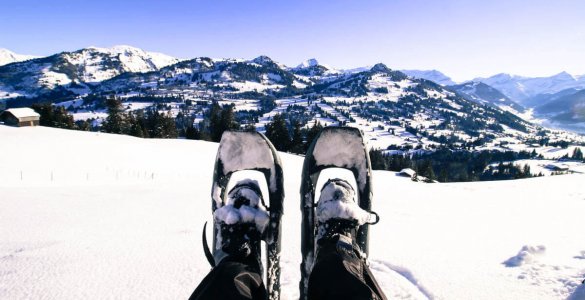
(231, 281)
(339, 274)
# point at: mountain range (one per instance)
(557, 99)
(124, 68)
(522, 88)
(480, 92)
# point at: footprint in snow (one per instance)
(400, 281)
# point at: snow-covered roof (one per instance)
(23, 112)
(408, 172)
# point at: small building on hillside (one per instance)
(408, 172)
(20, 117)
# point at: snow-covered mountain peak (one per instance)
(432, 75)
(564, 76)
(312, 68)
(98, 64)
(482, 93)
(262, 60)
(499, 77)
(380, 67)
(125, 48)
(135, 55)
(520, 88)
(115, 49)
(5, 51)
(7, 57)
(311, 62)
(73, 70)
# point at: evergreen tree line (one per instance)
(285, 135)
(58, 117)
(445, 165)
(504, 171)
(148, 123)
(576, 155)
(218, 119)
(291, 138)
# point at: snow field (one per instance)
(548, 167)
(464, 234)
(141, 238)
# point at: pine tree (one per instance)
(192, 133)
(83, 125)
(428, 170)
(160, 125)
(297, 144)
(228, 119)
(250, 128)
(114, 123)
(169, 127)
(378, 160)
(62, 118)
(443, 175)
(312, 134)
(277, 133)
(533, 153)
(214, 122)
(220, 120)
(135, 125)
(526, 171)
(577, 154)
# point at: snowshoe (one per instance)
(342, 214)
(242, 216)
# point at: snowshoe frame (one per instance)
(312, 168)
(248, 148)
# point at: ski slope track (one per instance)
(100, 216)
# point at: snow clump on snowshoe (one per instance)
(338, 201)
(242, 220)
(245, 206)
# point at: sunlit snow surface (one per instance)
(98, 216)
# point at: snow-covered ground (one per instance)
(548, 167)
(93, 215)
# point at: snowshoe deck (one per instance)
(334, 147)
(240, 151)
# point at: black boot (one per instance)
(341, 270)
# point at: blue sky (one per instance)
(463, 39)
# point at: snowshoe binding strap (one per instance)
(338, 181)
(375, 221)
(240, 199)
(208, 254)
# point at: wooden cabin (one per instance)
(20, 117)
